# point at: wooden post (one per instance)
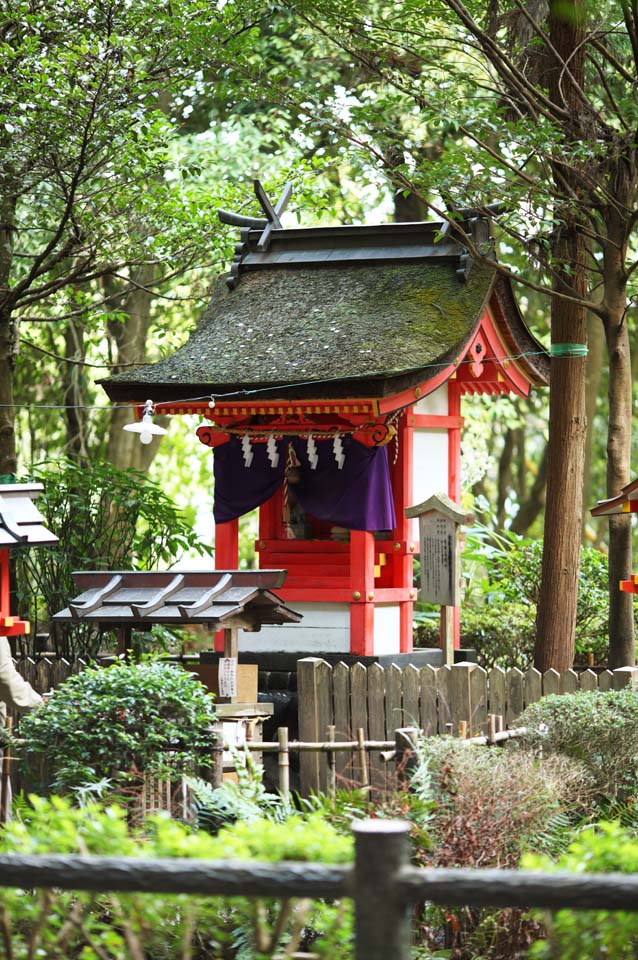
(315, 713)
(382, 914)
(5, 778)
(218, 756)
(447, 634)
(283, 762)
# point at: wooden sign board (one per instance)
(440, 560)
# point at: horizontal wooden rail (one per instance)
(228, 878)
(520, 888)
(382, 884)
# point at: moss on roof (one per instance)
(288, 325)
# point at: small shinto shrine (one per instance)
(21, 525)
(329, 372)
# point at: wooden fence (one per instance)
(382, 884)
(438, 700)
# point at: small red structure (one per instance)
(20, 526)
(625, 502)
(342, 352)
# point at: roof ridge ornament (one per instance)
(272, 222)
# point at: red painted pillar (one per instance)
(454, 474)
(226, 558)
(403, 497)
(362, 587)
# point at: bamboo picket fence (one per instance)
(350, 717)
(438, 700)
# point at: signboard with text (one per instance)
(440, 572)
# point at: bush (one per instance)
(58, 923)
(489, 806)
(591, 934)
(600, 730)
(152, 718)
(501, 634)
(106, 519)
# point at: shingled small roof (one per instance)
(348, 311)
(218, 598)
(21, 523)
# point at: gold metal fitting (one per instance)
(356, 595)
(396, 546)
(371, 595)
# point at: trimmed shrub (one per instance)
(600, 730)
(152, 718)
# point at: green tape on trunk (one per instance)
(568, 350)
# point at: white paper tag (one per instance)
(227, 676)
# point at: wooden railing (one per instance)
(382, 884)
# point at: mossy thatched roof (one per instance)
(285, 326)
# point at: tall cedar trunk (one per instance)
(596, 341)
(7, 340)
(556, 615)
(621, 619)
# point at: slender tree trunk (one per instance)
(621, 617)
(556, 614)
(596, 341)
(534, 502)
(504, 481)
(7, 410)
(124, 449)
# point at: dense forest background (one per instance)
(124, 127)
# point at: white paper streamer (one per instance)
(337, 449)
(247, 450)
(271, 449)
(311, 450)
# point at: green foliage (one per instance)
(501, 634)
(245, 799)
(600, 730)
(151, 718)
(590, 934)
(114, 926)
(106, 519)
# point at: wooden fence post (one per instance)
(314, 678)
(382, 914)
(624, 677)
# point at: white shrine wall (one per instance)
(325, 628)
(387, 625)
(430, 471)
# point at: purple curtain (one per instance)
(358, 497)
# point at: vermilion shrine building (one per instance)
(338, 358)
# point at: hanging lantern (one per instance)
(145, 427)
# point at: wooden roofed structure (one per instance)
(21, 525)
(324, 343)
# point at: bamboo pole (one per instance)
(283, 760)
(332, 761)
(363, 758)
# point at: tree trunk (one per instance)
(534, 502)
(124, 449)
(7, 410)
(621, 614)
(596, 341)
(556, 614)
(7, 340)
